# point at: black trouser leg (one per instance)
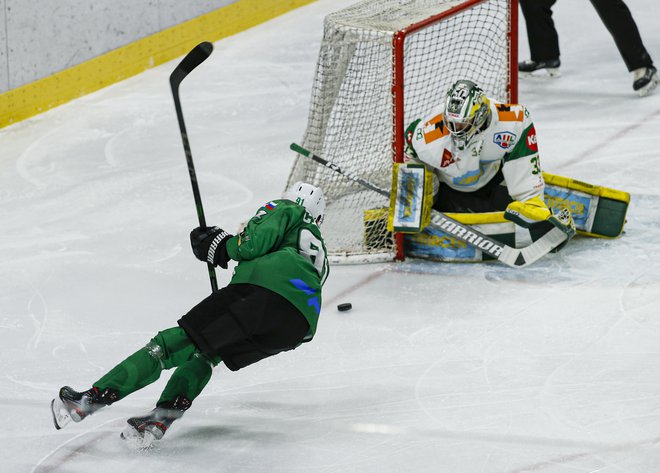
(618, 20)
(541, 32)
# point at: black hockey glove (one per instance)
(209, 244)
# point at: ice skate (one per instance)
(645, 79)
(144, 431)
(71, 405)
(539, 69)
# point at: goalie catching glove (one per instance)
(209, 244)
(535, 216)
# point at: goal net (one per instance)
(383, 64)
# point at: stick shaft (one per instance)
(193, 59)
(299, 149)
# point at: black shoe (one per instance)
(70, 405)
(540, 68)
(145, 430)
(645, 79)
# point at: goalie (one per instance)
(485, 156)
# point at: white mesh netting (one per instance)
(351, 120)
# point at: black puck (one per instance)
(344, 307)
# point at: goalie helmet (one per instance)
(467, 110)
(310, 197)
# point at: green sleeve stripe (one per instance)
(408, 139)
(412, 126)
(521, 150)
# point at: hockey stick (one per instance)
(514, 257)
(193, 59)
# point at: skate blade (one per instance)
(648, 88)
(61, 416)
(547, 73)
(138, 440)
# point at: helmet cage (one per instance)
(466, 111)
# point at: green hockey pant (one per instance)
(171, 348)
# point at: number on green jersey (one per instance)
(313, 250)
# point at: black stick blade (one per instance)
(193, 59)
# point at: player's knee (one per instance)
(173, 347)
(212, 361)
(156, 350)
(162, 345)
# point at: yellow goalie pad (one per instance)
(597, 211)
(434, 244)
(437, 245)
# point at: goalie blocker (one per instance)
(597, 212)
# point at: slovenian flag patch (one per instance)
(270, 205)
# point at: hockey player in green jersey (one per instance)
(485, 156)
(271, 305)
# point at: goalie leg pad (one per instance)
(597, 211)
(436, 245)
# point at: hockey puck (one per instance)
(344, 307)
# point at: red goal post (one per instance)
(382, 64)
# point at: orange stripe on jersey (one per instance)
(434, 129)
(508, 112)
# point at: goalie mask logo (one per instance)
(457, 101)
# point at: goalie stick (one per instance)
(514, 257)
(193, 59)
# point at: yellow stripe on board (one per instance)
(134, 58)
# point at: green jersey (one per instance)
(281, 249)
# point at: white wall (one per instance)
(4, 73)
(41, 37)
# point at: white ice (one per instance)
(438, 368)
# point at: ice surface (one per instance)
(438, 368)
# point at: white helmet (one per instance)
(467, 112)
(310, 197)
